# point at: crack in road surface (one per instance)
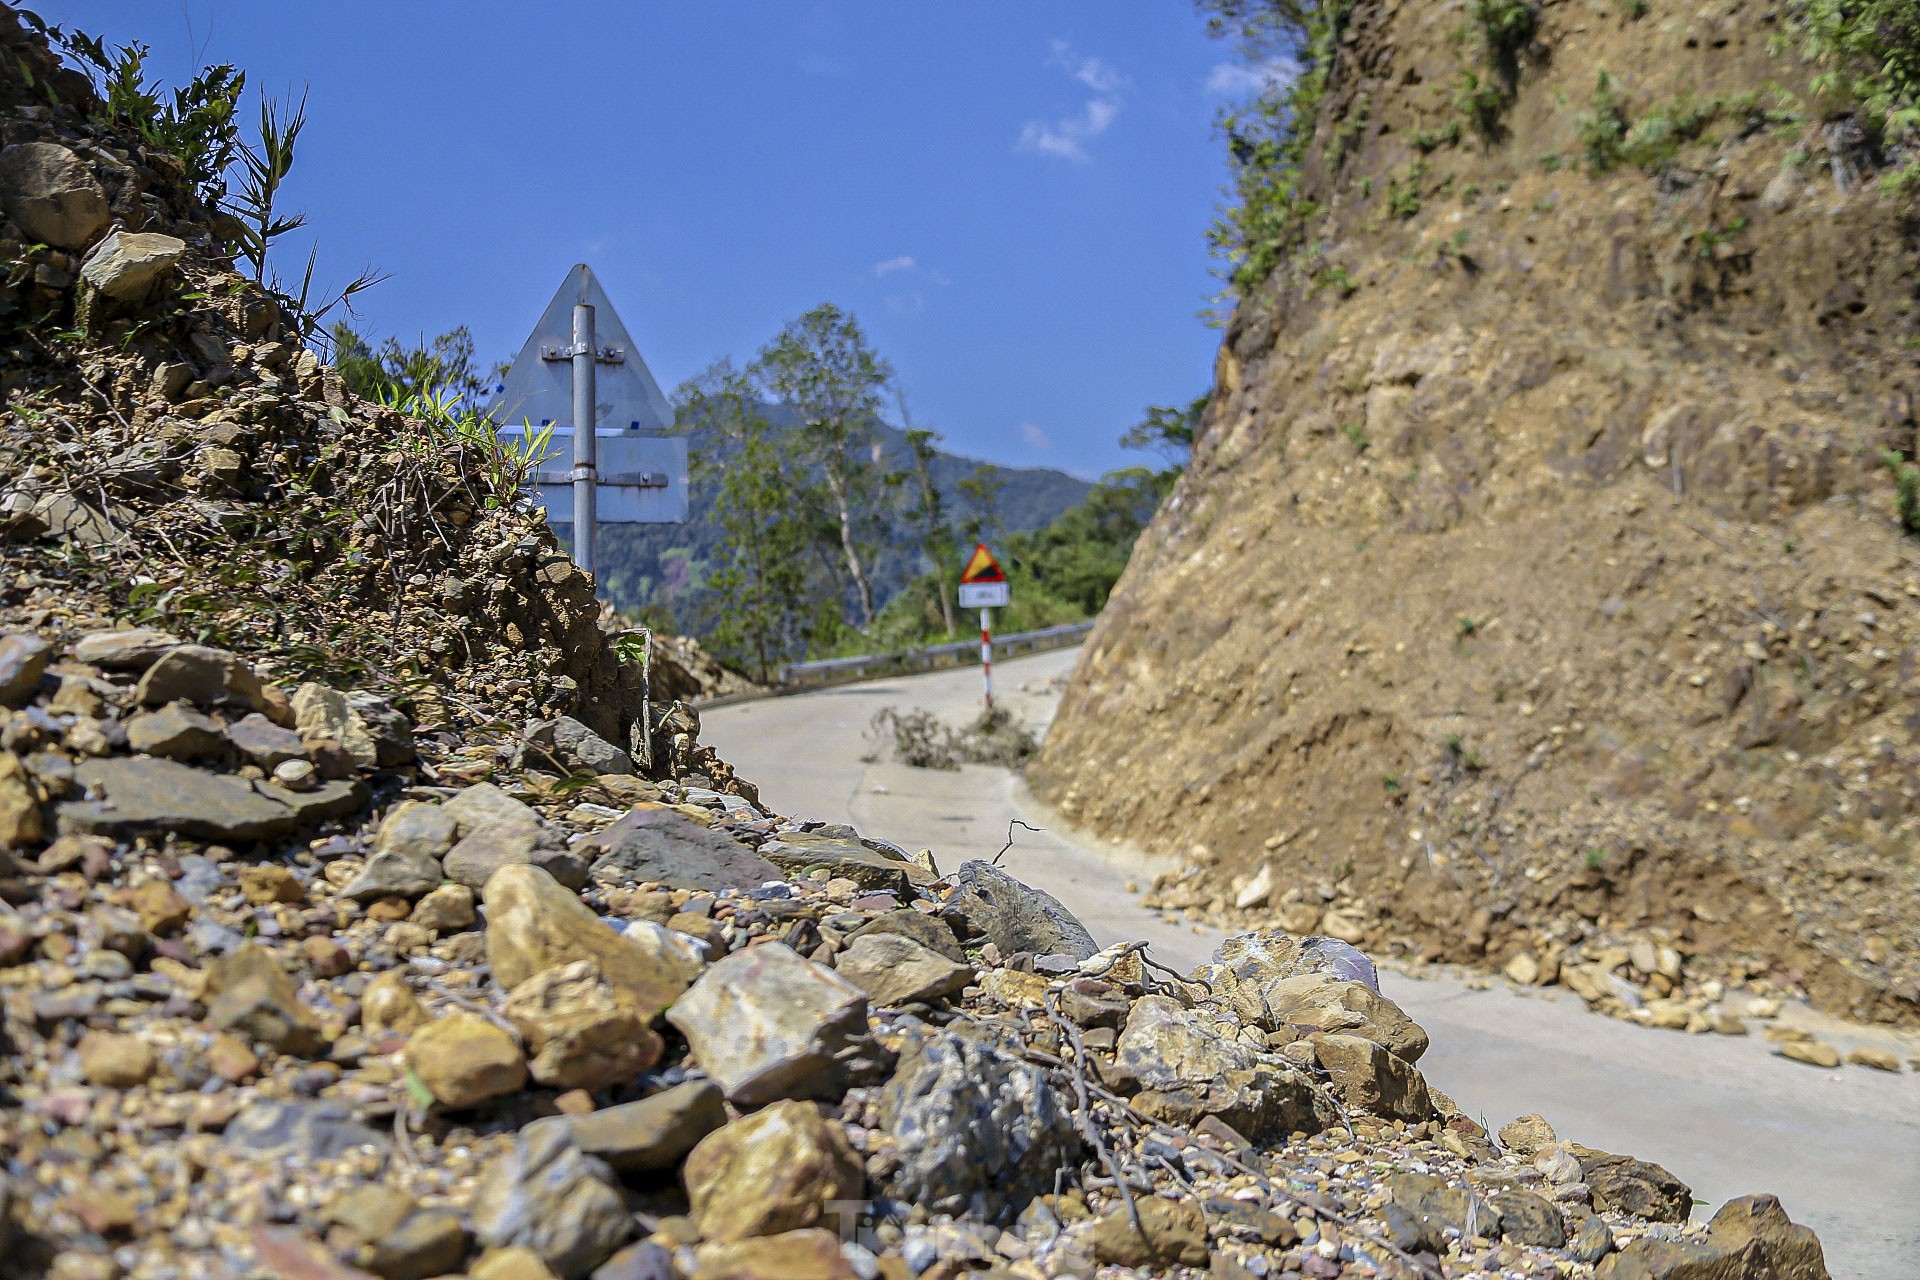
(1840, 1148)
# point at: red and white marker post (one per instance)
(986, 654)
(983, 586)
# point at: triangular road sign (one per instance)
(539, 390)
(982, 567)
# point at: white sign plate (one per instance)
(985, 595)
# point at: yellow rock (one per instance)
(1878, 1059)
(535, 923)
(776, 1170)
(516, 1262)
(1010, 986)
(463, 1060)
(1815, 1053)
(388, 1004)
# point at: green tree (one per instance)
(822, 366)
(1078, 558)
(760, 571)
(982, 493)
(1168, 431)
(925, 508)
(394, 372)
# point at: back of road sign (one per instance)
(983, 585)
(642, 472)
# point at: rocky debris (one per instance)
(584, 751)
(391, 874)
(137, 797)
(841, 858)
(495, 830)
(1367, 1075)
(52, 194)
(583, 1033)
(534, 923)
(177, 733)
(656, 844)
(894, 969)
(544, 1196)
(249, 991)
(464, 1059)
(126, 265)
(1017, 918)
(23, 662)
(1633, 1186)
(393, 1236)
(1750, 1238)
(1183, 1068)
(1168, 1233)
(1383, 728)
(653, 1133)
(768, 1024)
(974, 1130)
(203, 676)
(779, 1169)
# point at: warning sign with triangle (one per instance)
(983, 584)
(538, 389)
(982, 567)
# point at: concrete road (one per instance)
(1840, 1148)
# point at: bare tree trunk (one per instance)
(837, 486)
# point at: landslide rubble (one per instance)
(368, 910)
(1537, 597)
(280, 998)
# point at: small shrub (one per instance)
(1594, 858)
(1403, 190)
(1337, 278)
(1603, 129)
(1428, 140)
(1505, 25)
(1356, 437)
(1468, 626)
(1481, 100)
(1634, 10)
(1906, 490)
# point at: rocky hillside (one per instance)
(366, 910)
(1538, 586)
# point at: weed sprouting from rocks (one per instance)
(1906, 490)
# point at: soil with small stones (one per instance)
(1543, 594)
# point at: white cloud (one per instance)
(904, 262)
(1091, 72)
(1067, 138)
(1035, 438)
(1238, 80)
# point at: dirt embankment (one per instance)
(1537, 585)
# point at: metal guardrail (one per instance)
(798, 677)
(810, 675)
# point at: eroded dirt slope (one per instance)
(1537, 581)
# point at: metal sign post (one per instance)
(583, 437)
(983, 586)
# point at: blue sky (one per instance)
(1012, 197)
